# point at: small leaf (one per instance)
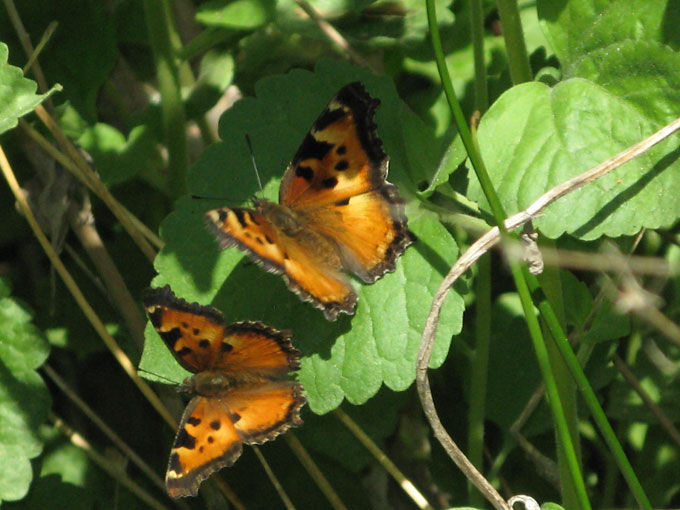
(17, 94)
(24, 400)
(236, 14)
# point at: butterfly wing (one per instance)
(337, 182)
(369, 230)
(192, 332)
(308, 262)
(206, 441)
(340, 157)
(257, 350)
(262, 412)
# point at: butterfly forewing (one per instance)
(340, 157)
(193, 333)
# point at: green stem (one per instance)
(518, 58)
(480, 365)
(477, 30)
(517, 273)
(551, 284)
(159, 23)
(589, 396)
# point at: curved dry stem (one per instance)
(479, 248)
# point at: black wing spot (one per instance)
(222, 215)
(341, 150)
(330, 182)
(247, 234)
(240, 216)
(193, 420)
(171, 337)
(269, 239)
(215, 424)
(210, 440)
(235, 417)
(184, 351)
(313, 148)
(285, 255)
(204, 344)
(185, 325)
(259, 240)
(342, 202)
(225, 347)
(305, 172)
(196, 331)
(185, 440)
(342, 165)
(200, 449)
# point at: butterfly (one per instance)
(241, 389)
(336, 211)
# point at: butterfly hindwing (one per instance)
(192, 332)
(369, 229)
(263, 412)
(206, 441)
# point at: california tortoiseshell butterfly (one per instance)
(336, 211)
(241, 389)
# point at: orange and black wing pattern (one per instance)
(192, 332)
(308, 261)
(337, 181)
(206, 441)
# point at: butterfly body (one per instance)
(240, 386)
(336, 211)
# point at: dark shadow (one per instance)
(628, 193)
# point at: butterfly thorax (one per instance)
(287, 220)
(209, 383)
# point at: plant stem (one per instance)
(516, 270)
(480, 365)
(159, 22)
(518, 59)
(589, 396)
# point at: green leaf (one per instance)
(350, 358)
(579, 27)
(17, 94)
(626, 46)
(236, 14)
(116, 158)
(216, 74)
(535, 137)
(24, 400)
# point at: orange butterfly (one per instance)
(336, 211)
(240, 382)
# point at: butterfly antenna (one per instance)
(252, 157)
(159, 376)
